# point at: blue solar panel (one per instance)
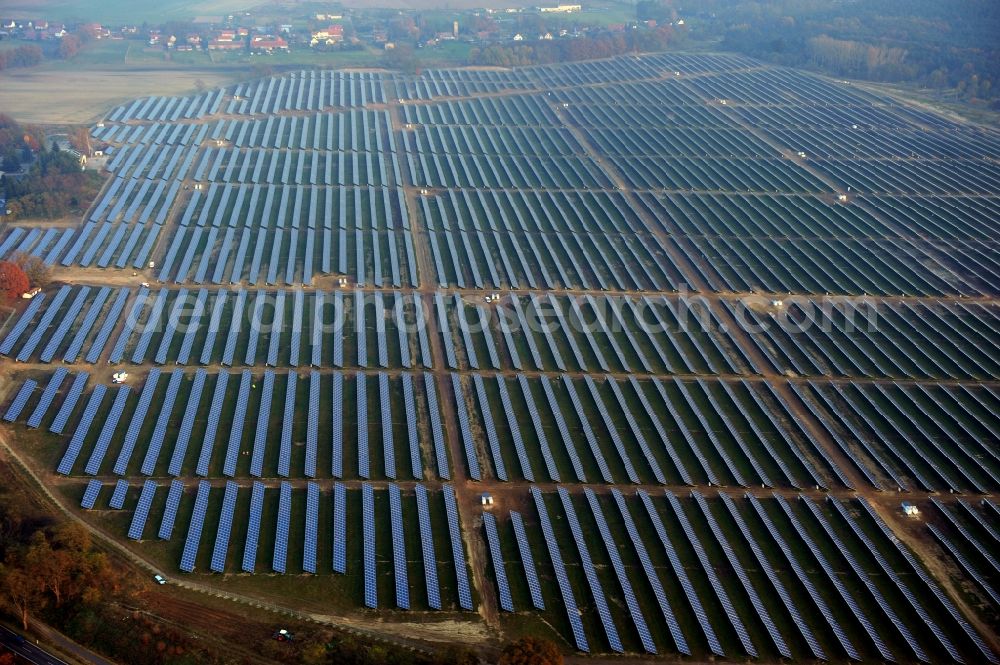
(260, 434)
(402, 329)
(427, 549)
(285, 449)
(138, 420)
(338, 329)
(282, 527)
(385, 409)
(779, 587)
(40, 328)
(170, 509)
(398, 547)
(311, 528)
(596, 591)
(111, 320)
(218, 563)
(91, 493)
(312, 425)
(337, 427)
(361, 386)
(236, 429)
(339, 528)
(193, 328)
(117, 501)
(383, 347)
(616, 562)
(493, 539)
(89, 319)
(108, 430)
(931, 584)
(236, 324)
(20, 400)
(416, 466)
(256, 319)
(187, 423)
(66, 322)
(214, 325)
(149, 326)
(72, 397)
(368, 540)
(76, 442)
(169, 329)
(425, 347)
(316, 337)
(515, 430)
(445, 330)
(162, 422)
(457, 552)
(489, 427)
(296, 332)
(527, 561)
(253, 527)
(569, 601)
(465, 428)
(277, 326)
(142, 510)
(193, 539)
(536, 419)
(45, 401)
(360, 328)
(437, 430)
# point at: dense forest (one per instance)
(945, 45)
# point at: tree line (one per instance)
(28, 55)
(589, 47)
(950, 46)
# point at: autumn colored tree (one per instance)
(69, 46)
(39, 274)
(13, 281)
(530, 651)
(21, 592)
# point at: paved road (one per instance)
(27, 650)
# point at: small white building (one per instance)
(910, 509)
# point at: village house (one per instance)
(328, 35)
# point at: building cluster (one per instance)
(246, 32)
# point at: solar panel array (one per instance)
(218, 564)
(193, 540)
(496, 556)
(253, 527)
(555, 556)
(309, 546)
(20, 400)
(108, 430)
(339, 528)
(368, 545)
(142, 510)
(173, 502)
(260, 434)
(282, 527)
(427, 548)
(82, 427)
(398, 547)
(510, 208)
(138, 418)
(90, 494)
(596, 591)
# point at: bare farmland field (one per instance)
(79, 97)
